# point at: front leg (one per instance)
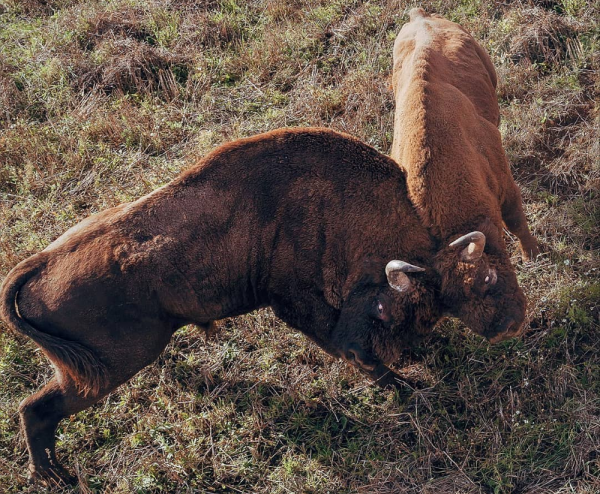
(516, 222)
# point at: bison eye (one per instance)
(491, 278)
(379, 310)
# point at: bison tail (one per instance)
(78, 361)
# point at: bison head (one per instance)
(479, 285)
(393, 305)
(384, 313)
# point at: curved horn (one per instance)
(402, 266)
(475, 243)
(397, 279)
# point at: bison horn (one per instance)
(395, 272)
(475, 243)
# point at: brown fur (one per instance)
(79, 362)
(445, 131)
(300, 220)
(446, 139)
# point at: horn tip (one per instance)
(473, 236)
(402, 266)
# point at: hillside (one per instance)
(104, 101)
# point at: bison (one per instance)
(310, 222)
(446, 138)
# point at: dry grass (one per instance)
(101, 102)
(542, 36)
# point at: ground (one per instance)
(103, 101)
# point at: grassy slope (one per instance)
(101, 102)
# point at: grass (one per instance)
(103, 101)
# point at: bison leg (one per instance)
(60, 398)
(516, 222)
(40, 415)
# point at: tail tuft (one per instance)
(87, 371)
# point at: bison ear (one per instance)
(473, 244)
(396, 275)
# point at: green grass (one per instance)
(101, 102)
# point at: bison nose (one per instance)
(508, 328)
(359, 358)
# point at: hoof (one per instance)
(529, 254)
(56, 477)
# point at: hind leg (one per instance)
(516, 222)
(60, 398)
(40, 415)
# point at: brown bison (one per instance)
(447, 140)
(310, 222)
